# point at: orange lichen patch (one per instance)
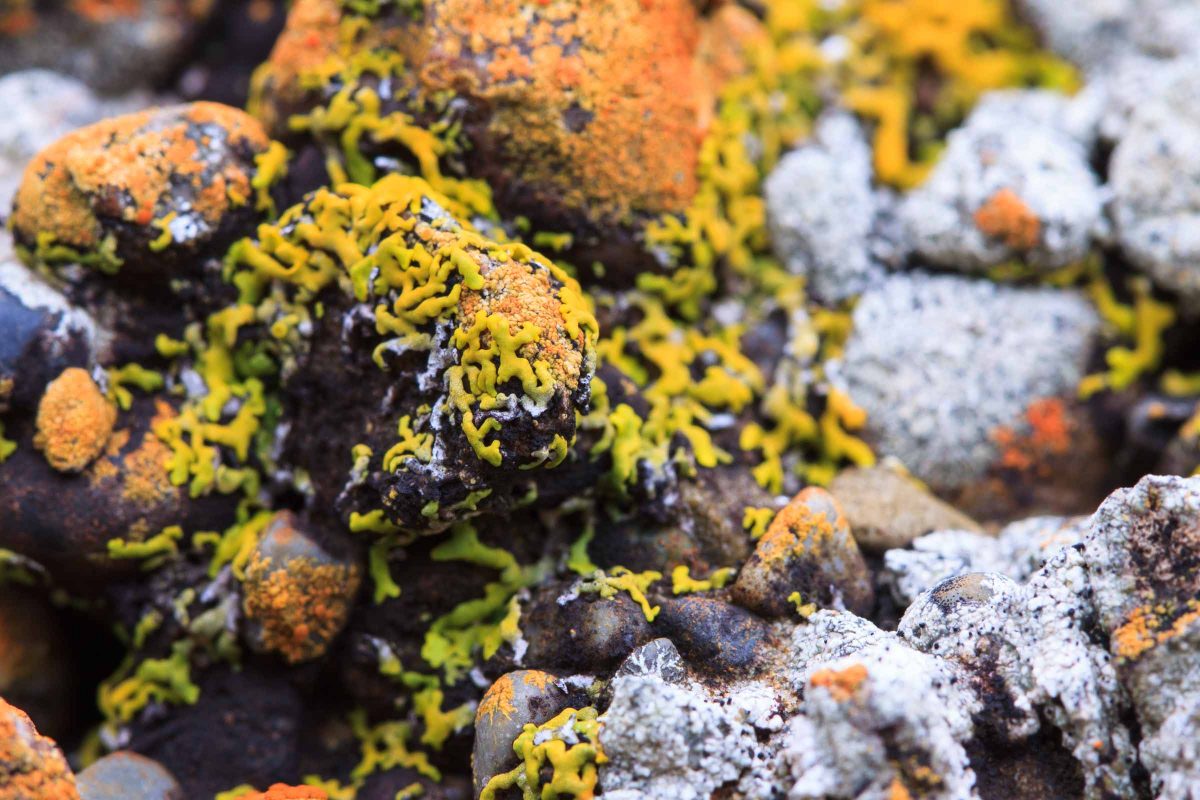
(281, 791)
(136, 169)
(147, 481)
(1144, 629)
(74, 421)
(524, 295)
(31, 765)
(300, 605)
(602, 102)
(498, 699)
(102, 11)
(842, 684)
(897, 791)
(797, 527)
(1050, 427)
(16, 17)
(1006, 217)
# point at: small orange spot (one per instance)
(1006, 217)
(842, 684)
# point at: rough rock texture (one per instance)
(1017, 552)
(888, 509)
(939, 363)
(127, 776)
(1087, 33)
(1011, 184)
(820, 209)
(1155, 178)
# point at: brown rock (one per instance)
(888, 510)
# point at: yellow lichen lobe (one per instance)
(74, 421)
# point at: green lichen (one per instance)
(153, 551)
(620, 579)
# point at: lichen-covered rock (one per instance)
(1009, 186)
(146, 196)
(820, 208)
(1154, 173)
(808, 550)
(296, 596)
(887, 509)
(74, 421)
(124, 775)
(112, 46)
(1018, 551)
(537, 101)
(972, 385)
(861, 732)
(1089, 34)
(31, 766)
(668, 740)
(513, 701)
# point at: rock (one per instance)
(714, 635)
(296, 596)
(112, 48)
(146, 196)
(1009, 185)
(1020, 549)
(31, 765)
(513, 701)
(887, 509)
(585, 632)
(1077, 116)
(127, 776)
(1166, 28)
(820, 209)
(45, 106)
(807, 549)
(657, 658)
(964, 380)
(666, 740)
(1090, 34)
(1154, 175)
(44, 335)
(861, 731)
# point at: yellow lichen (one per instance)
(571, 758)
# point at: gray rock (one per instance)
(1166, 28)
(938, 363)
(658, 658)
(1017, 552)
(1087, 33)
(1155, 180)
(127, 776)
(867, 697)
(888, 510)
(1013, 183)
(668, 740)
(512, 701)
(820, 210)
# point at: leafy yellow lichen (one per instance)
(619, 579)
(683, 583)
(558, 758)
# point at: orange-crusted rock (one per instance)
(296, 596)
(141, 193)
(74, 421)
(31, 765)
(512, 701)
(583, 118)
(808, 549)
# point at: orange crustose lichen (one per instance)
(131, 169)
(795, 528)
(842, 684)
(498, 699)
(74, 421)
(300, 604)
(31, 765)
(1050, 428)
(1006, 217)
(1144, 629)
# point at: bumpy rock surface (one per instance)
(941, 363)
(1010, 185)
(1155, 172)
(821, 207)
